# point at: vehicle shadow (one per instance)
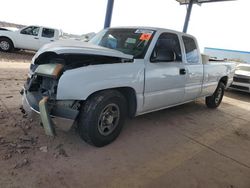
(240, 95)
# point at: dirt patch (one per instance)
(20, 56)
(149, 152)
(242, 134)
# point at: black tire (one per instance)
(17, 49)
(215, 100)
(6, 45)
(98, 122)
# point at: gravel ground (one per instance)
(186, 146)
(17, 57)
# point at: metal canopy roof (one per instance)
(190, 5)
(184, 2)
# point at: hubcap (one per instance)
(108, 119)
(219, 94)
(4, 45)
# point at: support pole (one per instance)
(109, 11)
(189, 10)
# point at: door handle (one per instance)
(36, 38)
(51, 40)
(183, 71)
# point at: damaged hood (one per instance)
(79, 47)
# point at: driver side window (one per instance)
(167, 49)
(32, 30)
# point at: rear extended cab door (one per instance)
(193, 67)
(48, 35)
(164, 80)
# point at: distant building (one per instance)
(221, 54)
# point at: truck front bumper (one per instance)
(35, 105)
(240, 86)
(241, 83)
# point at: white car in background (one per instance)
(28, 38)
(241, 79)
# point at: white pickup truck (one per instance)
(28, 38)
(121, 72)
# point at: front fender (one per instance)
(78, 84)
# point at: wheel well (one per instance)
(3, 37)
(130, 95)
(224, 80)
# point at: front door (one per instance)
(165, 74)
(29, 38)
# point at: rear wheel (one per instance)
(102, 118)
(6, 45)
(215, 100)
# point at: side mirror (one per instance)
(163, 55)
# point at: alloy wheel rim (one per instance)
(4, 45)
(218, 97)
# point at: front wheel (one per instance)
(215, 100)
(6, 45)
(102, 117)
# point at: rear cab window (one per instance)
(48, 33)
(191, 50)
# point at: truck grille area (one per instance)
(48, 86)
(44, 85)
(242, 80)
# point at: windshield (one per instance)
(129, 41)
(243, 68)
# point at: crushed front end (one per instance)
(39, 94)
(48, 69)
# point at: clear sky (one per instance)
(218, 25)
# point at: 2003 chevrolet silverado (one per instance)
(121, 72)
